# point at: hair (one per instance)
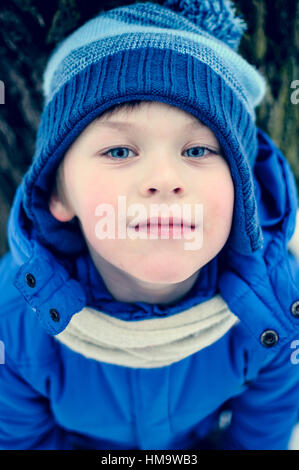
(127, 107)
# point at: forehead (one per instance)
(155, 117)
(137, 108)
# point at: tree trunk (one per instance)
(30, 29)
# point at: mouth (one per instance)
(170, 223)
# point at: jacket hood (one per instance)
(276, 199)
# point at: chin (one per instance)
(162, 273)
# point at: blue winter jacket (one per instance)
(52, 397)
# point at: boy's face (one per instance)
(150, 155)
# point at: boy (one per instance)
(128, 338)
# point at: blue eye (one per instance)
(199, 151)
(118, 153)
(121, 153)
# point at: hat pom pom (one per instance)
(217, 17)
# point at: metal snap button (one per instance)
(269, 338)
(295, 309)
(30, 279)
(54, 314)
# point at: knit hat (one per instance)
(183, 53)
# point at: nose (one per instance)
(164, 180)
(175, 190)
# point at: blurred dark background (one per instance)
(30, 29)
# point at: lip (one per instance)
(162, 222)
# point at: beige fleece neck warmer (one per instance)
(149, 343)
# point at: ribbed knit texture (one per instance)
(186, 68)
(152, 25)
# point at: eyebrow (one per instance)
(129, 125)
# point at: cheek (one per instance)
(90, 191)
(99, 211)
(223, 201)
(220, 205)
(90, 188)
(96, 205)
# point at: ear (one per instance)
(59, 210)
